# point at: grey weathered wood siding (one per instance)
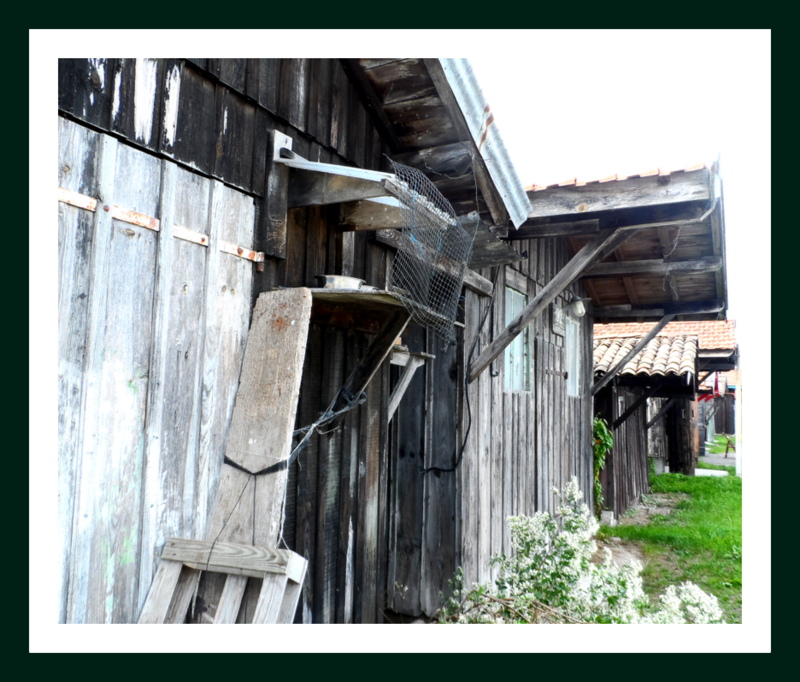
(625, 476)
(194, 125)
(152, 329)
(151, 333)
(518, 445)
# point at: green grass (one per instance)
(700, 541)
(718, 467)
(719, 443)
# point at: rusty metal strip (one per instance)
(79, 200)
(241, 252)
(132, 217)
(181, 232)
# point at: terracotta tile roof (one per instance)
(579, 182)
(712, 334)
(662, 355)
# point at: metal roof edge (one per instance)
(479, 118)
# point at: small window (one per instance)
(517, 354)
(573, 352)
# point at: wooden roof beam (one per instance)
(590, 253)
(608, 376)
(454, 158)
(621, 194)
(654, 266)
(659, 309)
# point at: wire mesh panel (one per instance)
(432, 256)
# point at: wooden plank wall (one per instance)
(151, 333)
(196, 134)
(628, 458)
(519, 444)
(213, 117)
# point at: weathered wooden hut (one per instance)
(670, 265)
(188, 190)
(665, 369)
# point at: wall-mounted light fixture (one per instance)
(576, 306)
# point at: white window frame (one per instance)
(517, 355)
(572, 348)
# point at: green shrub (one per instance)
(550, 578)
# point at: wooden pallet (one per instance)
(279, 574)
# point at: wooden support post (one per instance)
(277, 200)
(608, 376)
(414, 362)
(380, 347)
(593, 250)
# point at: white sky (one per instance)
(567, 103)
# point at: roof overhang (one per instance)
(673, 262)
(435, 118)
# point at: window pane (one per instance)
(516, 359)
(573, 349)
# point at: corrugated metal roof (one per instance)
(662, 355)
(579, 182)
(712, 334)
(487, 138)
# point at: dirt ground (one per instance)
(624, 551)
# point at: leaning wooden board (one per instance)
(249, 505)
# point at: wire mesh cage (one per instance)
(432, 256)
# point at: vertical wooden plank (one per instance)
(319, 99)
(173, 413)
(291, 596)
(86, 89)
(234, 129)
(327, 504)
(468, 471)
(485, 417)
(78, 149)
(268, 83)
(438, 549)
(339, 110)
(310, 406)
(348, 500)
(112, 477)
(294, 92)
(227, 298)
(541, 475)
(233, 72)
(497, 427)
(230, 600)
(409, 420)
(195, 118)
(161, 591)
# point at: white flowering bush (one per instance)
(550, 578)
